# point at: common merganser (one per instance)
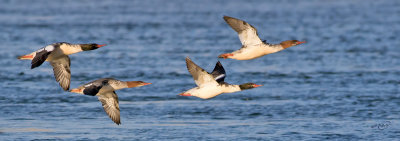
(211, 85)
(57, 55)
(252, 46)
(105, 89)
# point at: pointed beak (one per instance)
(255, 85)
(101, 45)
(75, 90)
(300, 42)
(146, 84)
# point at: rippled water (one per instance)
(343, 84)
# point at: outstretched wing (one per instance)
(247, 33)
(199, 75)
(41, 56)
(62, 72)
(219, 72)
(109, 101)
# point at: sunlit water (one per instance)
(342, 84)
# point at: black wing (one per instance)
(219, 72)
(40, 57)
(94, 87)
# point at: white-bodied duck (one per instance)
(211, 85)
(252, 46)
(57, 55)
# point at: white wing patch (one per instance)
(220, 76)
(49, 48)
(88, 85)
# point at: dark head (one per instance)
(248, 86)
(290, 43)
(132, 84)
(86, 47)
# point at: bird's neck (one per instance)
(70, 48)
(228, 88)
(285, 45)
(117, 85)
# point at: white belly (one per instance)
(253, 52)
(205, 92)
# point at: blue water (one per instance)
(343, 84)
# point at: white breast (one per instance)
(256, 51)
(205, 92)
(70, 49)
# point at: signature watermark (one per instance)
(382, 125)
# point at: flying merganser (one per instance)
(57, 55)
(211, 85)
(252, 46)
(105, 89)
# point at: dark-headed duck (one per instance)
(211, 85)
(57, 55)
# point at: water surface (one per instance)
(341, 85)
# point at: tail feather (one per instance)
(225, 56)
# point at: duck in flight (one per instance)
(105, 89)
(57, 55)
(212, 84)
(252, 46)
